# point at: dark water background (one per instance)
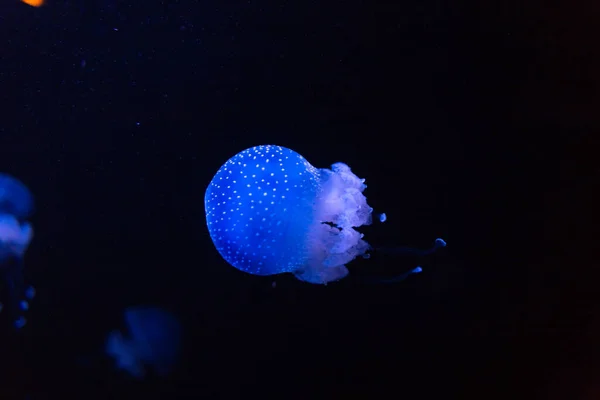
(474, 123)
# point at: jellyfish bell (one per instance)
(269, 211)
(15, 197)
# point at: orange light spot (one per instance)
(34, 3)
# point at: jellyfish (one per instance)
(269, 212)
(154, 340)
(16, 206)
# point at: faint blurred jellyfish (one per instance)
(154, 340)
(16, 206)
(269, 211)
(34, 3)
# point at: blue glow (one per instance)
(16, 205)
(20, 322)
(409, 250)
(401, 277)
(15, 197)
(30, 292)
(155, 340)
(269, 211)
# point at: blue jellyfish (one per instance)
(16, 206)
(269, 211)
(154, 341)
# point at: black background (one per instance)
(470, 122)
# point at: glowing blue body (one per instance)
(259, 208)
(155, 340)
(16, 204)
(15, 197)
(269, 211)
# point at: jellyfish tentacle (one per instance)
(13, 275)
(439, 243)
(401, 277)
